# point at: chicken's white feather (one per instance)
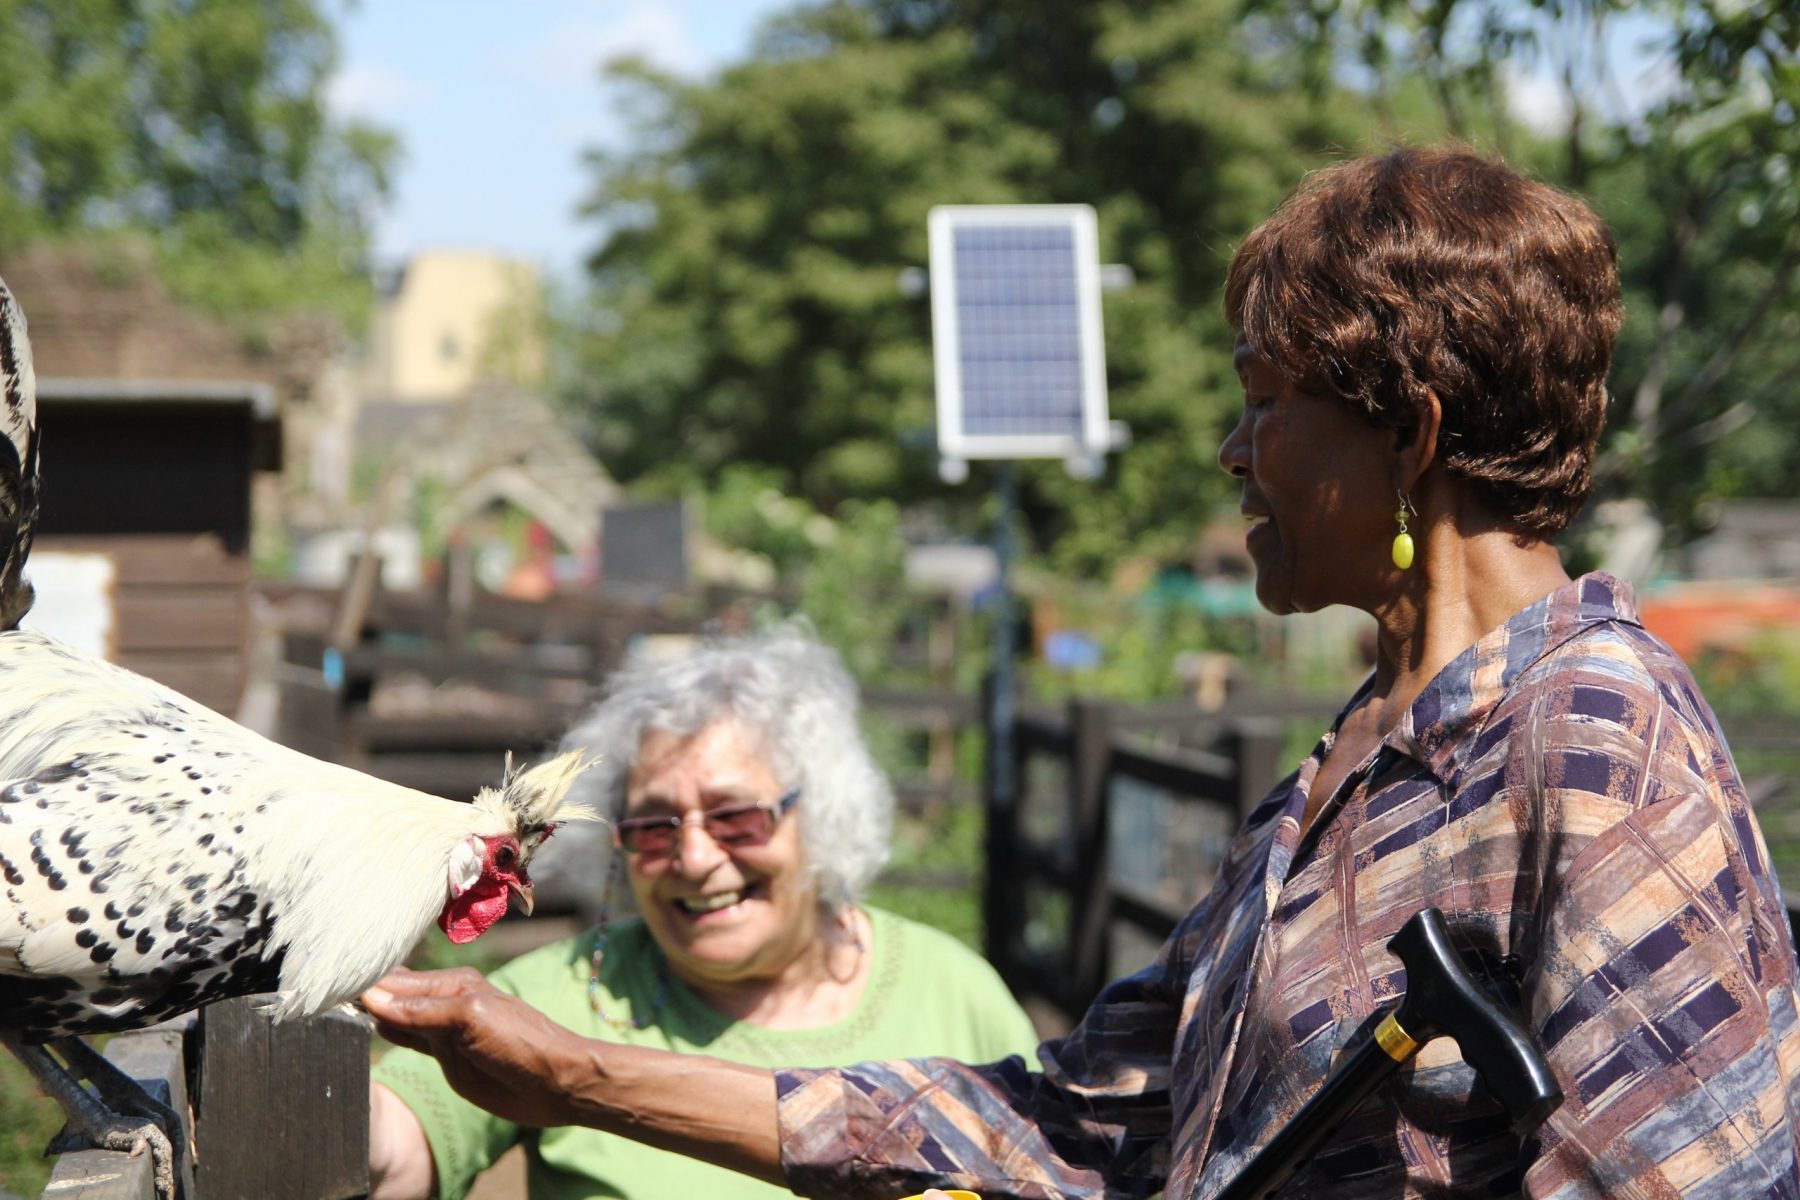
(112, 786)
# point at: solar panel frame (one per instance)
(1019, 333)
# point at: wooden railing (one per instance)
(272, 1111)
(1061, 917)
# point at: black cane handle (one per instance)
(1441, 998)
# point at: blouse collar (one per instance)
(1436, 728)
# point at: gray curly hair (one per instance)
(786, 689)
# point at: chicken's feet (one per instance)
(92, 1123)
(124, 1094)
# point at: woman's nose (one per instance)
(696, 852)
(1234, 451)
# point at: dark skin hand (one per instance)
(495, 1049)
(500, 1053)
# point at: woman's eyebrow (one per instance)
(731, 793)
(710, 797)
(651, 801)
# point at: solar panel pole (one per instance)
(1001, 714)
(1019, 368)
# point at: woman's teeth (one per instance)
(706, 904)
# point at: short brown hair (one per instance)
(1417, 272)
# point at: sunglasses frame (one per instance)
(777, 809)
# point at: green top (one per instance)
(927, 995)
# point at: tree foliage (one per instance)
(1693, 163)
(746, 298)
(745, 307)
(200, 122)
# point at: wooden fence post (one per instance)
(1090, 915)
(282, 1109)
(999, 896)
(308, 716)
(1255, 744)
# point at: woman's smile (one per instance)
(717, 906)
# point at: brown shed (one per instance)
(146, 522)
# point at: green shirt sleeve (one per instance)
(465, 1140)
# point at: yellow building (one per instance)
(453, 319)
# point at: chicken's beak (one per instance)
(522, 888)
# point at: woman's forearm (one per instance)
(500, 1053)
(400, 1163)
(687, 1103)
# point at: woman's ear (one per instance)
(1416, 449)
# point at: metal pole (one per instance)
(1000, 727)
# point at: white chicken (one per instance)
(156, 857)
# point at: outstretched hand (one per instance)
(496, 1050)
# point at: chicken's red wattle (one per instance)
(469, 915)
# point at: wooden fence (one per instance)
(1060, 917)
(272, 1111)
(508, 675)
(1071, 900)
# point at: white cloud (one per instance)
(374, 92)
(573, 52)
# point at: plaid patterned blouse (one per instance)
(1563, 793)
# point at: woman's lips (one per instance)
(1262, 530)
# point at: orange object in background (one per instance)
(1693, 617)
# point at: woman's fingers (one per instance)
(424, 1000)
(454, 982)
(399, 1035)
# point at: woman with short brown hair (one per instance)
(1437, 274)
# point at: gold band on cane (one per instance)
(1394, 1041)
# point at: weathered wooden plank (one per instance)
(520, 668)
(451, 733)
(1188, 774)
(181, 618)
(922, 707)
(453, 776)
(151, 558)
(101, 1175)
(283, 1109)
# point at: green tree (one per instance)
(745, 299)
(1694, 168)
(200, 123)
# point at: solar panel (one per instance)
(1015, 319)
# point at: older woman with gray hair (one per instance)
(747, 817)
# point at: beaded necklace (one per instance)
(656, 1004)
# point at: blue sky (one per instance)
(496, 102)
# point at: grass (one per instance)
(28, 1120)
(936, 871)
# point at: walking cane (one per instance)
(1440, 999)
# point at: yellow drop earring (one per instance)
(1403, 543)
